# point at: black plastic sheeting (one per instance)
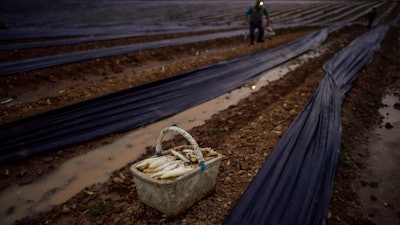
(32, 19)
(295, 185)
(131, 108)
(9, 68)
(62, 19)
(79, 39)
(307, 15)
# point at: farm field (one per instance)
(259, 120)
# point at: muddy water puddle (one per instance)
(380, 196)
(97, 166)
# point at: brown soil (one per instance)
(268, 111)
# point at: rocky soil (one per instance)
(258, 121)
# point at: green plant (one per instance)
(348, 148)
(371, 103)
(212, 132)
(347, 161)
(361, 114)
(98, 209)
(371, 91)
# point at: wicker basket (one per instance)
(174, 196)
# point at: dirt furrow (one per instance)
(245, 134)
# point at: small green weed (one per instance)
(97, 210)
(371, 103)
(347, 161)
(212, 132)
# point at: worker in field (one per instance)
(254, 19)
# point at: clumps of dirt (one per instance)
(41, 90)
(69, 87)
(269, 112)
(360, 115)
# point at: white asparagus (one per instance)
(161, 160)
(208, 152)
(187, 150)
(212, 153)
(180, 156)
(175, 172)
(168, 168)
(158, 168)
(145, 163)
(192, 157)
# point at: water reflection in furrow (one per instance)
(380, 196)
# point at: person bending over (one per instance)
(254, 19)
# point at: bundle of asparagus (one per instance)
(174, 162)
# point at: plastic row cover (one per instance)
(295, 184)
(9, 68)
(66, 21)
(78, 39)
(290, 18)
(141, 105)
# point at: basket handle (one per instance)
(185, 135)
